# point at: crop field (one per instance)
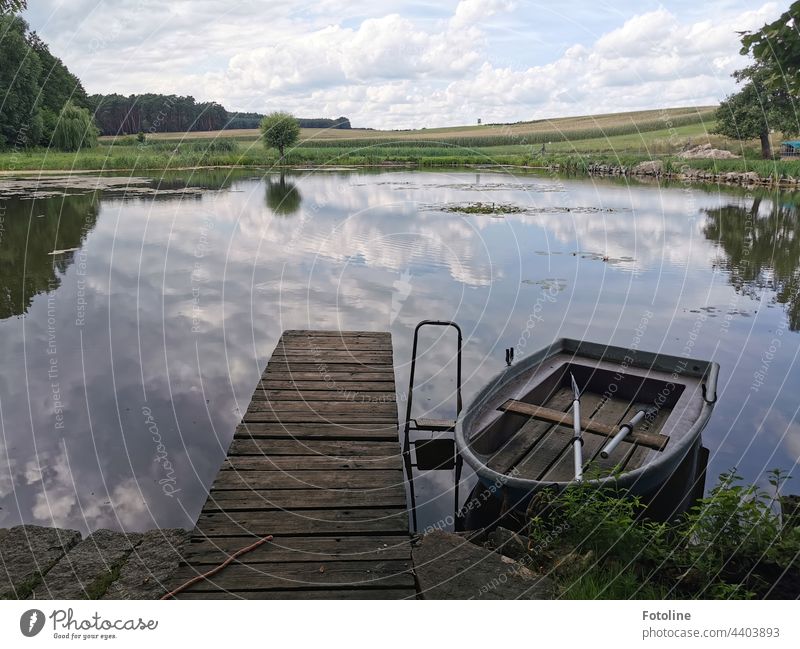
(572, 142)
(538, 131)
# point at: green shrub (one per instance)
(732, 544)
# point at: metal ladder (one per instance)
(438, 453)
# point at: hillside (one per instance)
(542, 130)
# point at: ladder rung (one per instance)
(436, 425)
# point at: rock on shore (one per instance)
(50, 563)
(448, 566)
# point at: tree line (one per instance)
(35, 89)
(42, 103)
(253, 120)
(155, 113)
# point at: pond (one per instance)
(136, 315)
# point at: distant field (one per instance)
(582, 127)
(571, 142)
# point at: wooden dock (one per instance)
(316, 463)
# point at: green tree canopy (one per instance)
(12, 6)
(776, 47)
(20, 70)
(34, 86)
(280, 130)
(756, 110)
(74, 129)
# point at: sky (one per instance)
(407, 63)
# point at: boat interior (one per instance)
(511, 441)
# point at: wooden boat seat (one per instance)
(542, 447)
(657, 442)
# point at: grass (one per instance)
(732, 545)
(573, 143)
(99, 586)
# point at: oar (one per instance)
(624, 431)
(577, 440)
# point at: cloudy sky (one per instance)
(408, 63)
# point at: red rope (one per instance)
(214, 571)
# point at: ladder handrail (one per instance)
(439, 323)
(409, 401)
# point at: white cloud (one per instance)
(398, 65)
(653, 60)
(470, 12)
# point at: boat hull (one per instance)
(691, 410)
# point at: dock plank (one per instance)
(316, 463)
(211, 552)
(345, 479)
(312, 446)
(325, 522)
(308, 462)
(267, 576)
(296, 499)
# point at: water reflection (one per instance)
(760, 247)
(283, 197)
(32, 231)
(163, 320)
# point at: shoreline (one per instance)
(592, 170)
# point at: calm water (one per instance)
(128, 359)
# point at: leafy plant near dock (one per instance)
(732, 544)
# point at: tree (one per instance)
(20, 71)
(12, 6)
(280, 130)
(776, 47)
(756, 110)
(75, 129)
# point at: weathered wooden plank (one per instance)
(318, 383)
(296, 499)
(321, 369)
(310, 462)
(317, 417)
(324, 407)
(330, 358)
(340, 593)
(321, 351)
(326, 522)
(345, 334)
(266, 576)
(307, 479)
(327, 395)
(612, 412)
(300, 548)
(324, 431)
(527, 436)
(278, 447)
(334, 344)
(656, 442)
(563, 467)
